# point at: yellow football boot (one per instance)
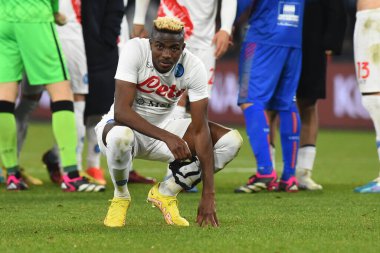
(117, 212)
(168, 206)
(29, 179)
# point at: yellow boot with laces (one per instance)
(168, 206)
(117, 212)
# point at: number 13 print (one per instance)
(363, 69)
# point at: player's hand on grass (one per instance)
(60, 19)
(222, 41)
(178, 147)
(139, 31)
(207, 211)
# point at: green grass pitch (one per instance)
(44, 219)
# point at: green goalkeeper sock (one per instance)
(65, 133)
(8, 142)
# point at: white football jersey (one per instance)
(73, 29)
(198, 17)
(157, 94)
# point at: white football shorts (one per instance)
(207, 57)
(145, 147)
(367, 50)
(77, 64)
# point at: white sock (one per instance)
(169, 187)
(79, 123)
(372, 104)
(120, 191)
(273, 155)
(306, 157)
(93, 151)
(119, 158)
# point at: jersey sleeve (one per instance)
(55, 5)
(141, 9)
(130, 61)
(197, 86)
(227, 15)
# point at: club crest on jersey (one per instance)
(179, 70)
(85, 78)
(154, 85)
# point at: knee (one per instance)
(226, 148)
(120, 140)
(233, 141)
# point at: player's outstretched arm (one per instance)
(204, 150)
(124, 114)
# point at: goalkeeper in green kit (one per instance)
(29, 43)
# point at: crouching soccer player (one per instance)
(150, 79)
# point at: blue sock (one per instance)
(290, 125)
(258, 134)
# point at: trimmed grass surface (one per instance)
(336, 219)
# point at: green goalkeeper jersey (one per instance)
(28, 10)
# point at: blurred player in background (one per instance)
(269, 71)
(202, 39)
(28, 42)
(367, 52)
(150, 79)
(323, 33)
(71, 39)
(101, 28)
(102, 20)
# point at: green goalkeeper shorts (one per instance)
(33, 48)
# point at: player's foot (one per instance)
(135, 177)
(117, 212)
(29, 179)
(290, 185)
(168, 206)
(305, 182)
(371, 187)
(15, 183)
(258, 182)
(52, 166)
(80, 184)
(97, 174)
